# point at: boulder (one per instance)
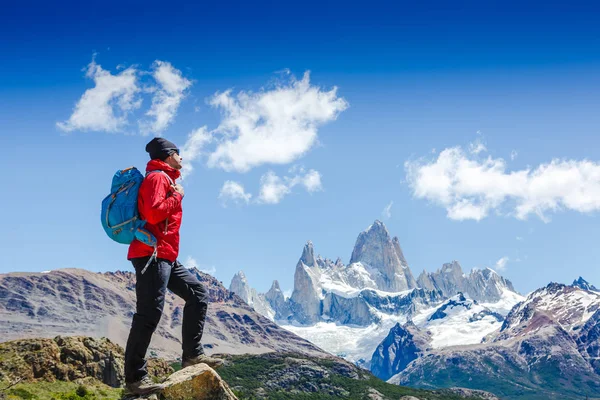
(197, 382)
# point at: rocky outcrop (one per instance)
(69, 359)
(277, 301)
(239, 285)
(588, 341)
(383, 257)
(305, 302)
(482, 285)
(198, 382)
(583, 284)
(402, 345)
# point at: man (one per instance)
(159, 203)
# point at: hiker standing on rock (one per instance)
(159, 203)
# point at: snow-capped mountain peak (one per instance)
(569, 306)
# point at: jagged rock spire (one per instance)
(375, 248)
(308, 255)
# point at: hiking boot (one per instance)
(202, 359)
(144, 386)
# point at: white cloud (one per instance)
(501, 264)
(477, 147)
(273, 188)
(212, 270)
(287, 293)
(274, 126)
(234, 191)
(471, 189)
(513, 154)
(311, 180)
(387, 211)
(190, 262)
(106, 106)
(192, 149)
(167, 97)
(520, 238)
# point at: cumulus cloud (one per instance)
(471, 188)
(234, 191)
(171, 90)
(387, 211)
(193, 148)
(106, 106)
(501, 264)
(271, 126)
(273, 188)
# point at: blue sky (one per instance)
(488, 94)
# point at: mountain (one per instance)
(401, 346)
(382, 257)
(349, 309)
(79, 302)
(547, 348)
(258, 301)
(583, 284)
(457, 321)
(482, 285)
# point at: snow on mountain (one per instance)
(569, 306)
(239, 285)
(349, 309)
(548, 348)
(459, 321)
(484, 285)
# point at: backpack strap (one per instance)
(163, 172)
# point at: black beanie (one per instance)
(160, 148)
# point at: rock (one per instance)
(305, 302)
(378, 252)
(482, 285)
(402, 345)
(276, 300)
(197, 382)
(239, 285)
(409, 398)
(583, 284)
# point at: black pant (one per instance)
(150, 290)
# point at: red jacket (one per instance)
(160, 206)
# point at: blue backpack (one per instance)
(120, 217)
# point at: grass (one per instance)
(61, 391)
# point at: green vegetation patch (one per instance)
(59, 390)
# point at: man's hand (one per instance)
(179, 189)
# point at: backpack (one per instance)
(120, 216)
